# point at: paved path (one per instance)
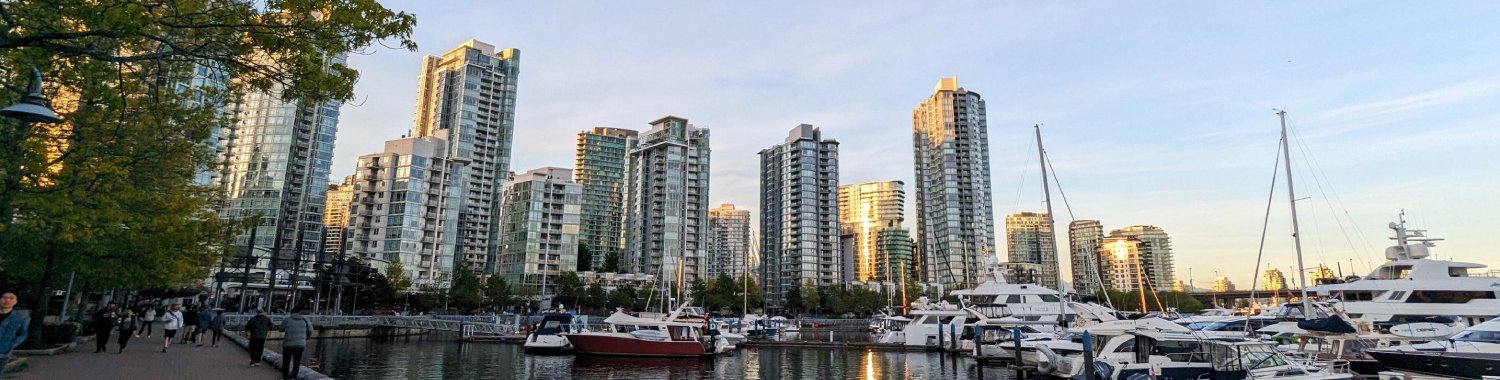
(143, 359)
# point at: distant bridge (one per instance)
(1207, 298)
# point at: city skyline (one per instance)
(1124, 128)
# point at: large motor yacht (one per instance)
(997, 298)
(1411, 287)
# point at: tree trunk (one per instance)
(39, 313)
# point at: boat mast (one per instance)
(1046, 194)
(1291, 193)
(1041, 153)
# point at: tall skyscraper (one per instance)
(540, 226)
(1030, 239)
(276, 160)
(400, 210)
(1084, 238)
(336, 216)
(877, 248)
(1156, 253)
(470, 92)
(666, 200)
(729, 243)
(955, 218)
(799, 211)
(599, 167)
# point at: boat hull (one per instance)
(1453, 364)
(613, 345)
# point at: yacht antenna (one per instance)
(1291, 193)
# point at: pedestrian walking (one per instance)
(296, 330)
(259, 326)
(189, 324)
(13, 327)
(104, 323)
(127, 323)
(217, 326)
(148, 317)
(171, 321)
(205, 321)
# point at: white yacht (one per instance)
(1412, 287)
(996, 298)
(929, 325)
(1179, 355)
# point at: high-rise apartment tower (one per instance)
(955, 218)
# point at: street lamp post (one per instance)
(33, 108)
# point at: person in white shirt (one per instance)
(171, 322)
(149, 317)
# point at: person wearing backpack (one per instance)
(297, 330)
(127, 323)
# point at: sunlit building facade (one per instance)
(336, 216)
(1124, 258)
(1029, 238)
(1222, 284)
(599, 166)
(876, 247)
(540, 225)
(799, 212)
(1139, 256)
(955, 217)
(729, 241)
(1273, 281)
(470, 92)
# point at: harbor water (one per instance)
(441, 356)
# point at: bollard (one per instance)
(1088, 356)
(940, 337)
(978, 342)
(1016, 336)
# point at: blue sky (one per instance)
(1153, 113)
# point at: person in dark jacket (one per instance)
(296, 331)
(205, 322)
(190, 325)
(13, 327)
(104, 323)
(127, 323)
(217, 326)
(258, 327)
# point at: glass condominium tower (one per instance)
(955, 218)
(277, 156)
(666, 200)
(876, 247)
(470, 91)
(600, 169)
(799, 210)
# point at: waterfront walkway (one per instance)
(143, 359)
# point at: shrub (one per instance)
(60, 333)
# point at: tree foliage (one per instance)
(567, 289)
(1131, 300)
(396, 273)
(466, 292)
(498, 293)
(109, 193)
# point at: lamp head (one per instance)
(33, 106)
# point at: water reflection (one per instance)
(439, 356)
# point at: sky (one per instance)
(1159, 113)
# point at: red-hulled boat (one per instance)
(630, 335)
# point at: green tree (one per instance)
(622, 296)
(811, 300)
(109, 193)
(611, 263)
(595, 297)
(396, 273)
(498, 293)
(585, 258)
(794, 300)
(568, 289)
(466, 291)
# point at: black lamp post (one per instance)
(33, 108)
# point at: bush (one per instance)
(60, 333)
